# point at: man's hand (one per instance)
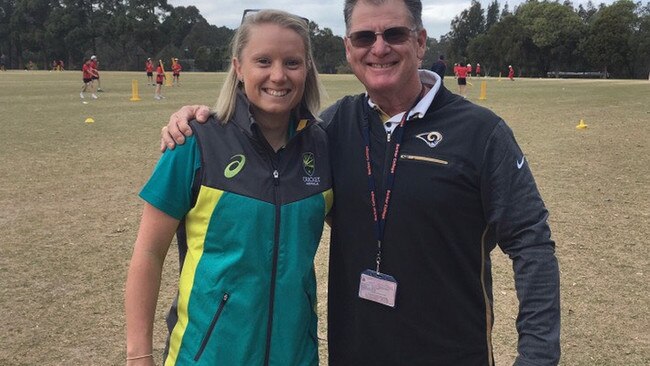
(178, 127)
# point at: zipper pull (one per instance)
(276, 177)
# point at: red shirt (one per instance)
(159, 74)
(149, 66)
(462, 72)
(176, 68)
(87, 71)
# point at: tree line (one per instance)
(536, 37)
(539, 37)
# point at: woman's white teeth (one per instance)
(277, 93)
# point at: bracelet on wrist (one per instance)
(139, 357)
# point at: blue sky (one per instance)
(436, 15)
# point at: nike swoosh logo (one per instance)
(521, 163)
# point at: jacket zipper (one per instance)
(423, 158)
(274, 269)
(204, 343)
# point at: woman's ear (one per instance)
(237, 67)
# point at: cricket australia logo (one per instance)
(309, 166)
(432, 139)
(235, 166)
(308, 163)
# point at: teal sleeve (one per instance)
(169, 188)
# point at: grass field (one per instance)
(70, 212)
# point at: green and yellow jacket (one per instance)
(251, 221)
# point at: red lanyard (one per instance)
(398, 135)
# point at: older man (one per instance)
(427, 184)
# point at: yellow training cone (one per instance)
(89, 120)
(134, 91)
(582, 125)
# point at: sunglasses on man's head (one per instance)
(251, 11)
(394, 36)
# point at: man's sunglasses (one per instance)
(251, 11)
(394, 36)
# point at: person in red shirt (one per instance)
(176, 72)
(148, 67)
(469, 70)
(478, 69)
(456, 66)
(511, 73)
(88, 72)
(95, 65)
(462, 80)
(160, 77)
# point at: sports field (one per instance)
(69, 210)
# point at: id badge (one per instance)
(378, 287)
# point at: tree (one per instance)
(505, 11)
(7, 40)
(213, 42)
(492, 16)
(555, 29)
(641, 40)
(482, 49)
(328, 49)
(28, 27)
(510, 45)
(435, 48)
(586, 13)
(67, 32)
(180, 22)
(469, 24)
(608, 44)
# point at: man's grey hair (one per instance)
(414, 7)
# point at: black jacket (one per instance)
(462, 185)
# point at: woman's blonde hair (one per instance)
(225, 106)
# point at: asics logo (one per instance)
(235, 166)
(521, 163)
(432, 139)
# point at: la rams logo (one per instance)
(432, 139)
(235, 166)
(308, 162)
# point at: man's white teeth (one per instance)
(381, 66)
(277, 93)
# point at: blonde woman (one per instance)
(246, 195)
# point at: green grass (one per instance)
(70, 212)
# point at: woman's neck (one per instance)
(274, 130)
